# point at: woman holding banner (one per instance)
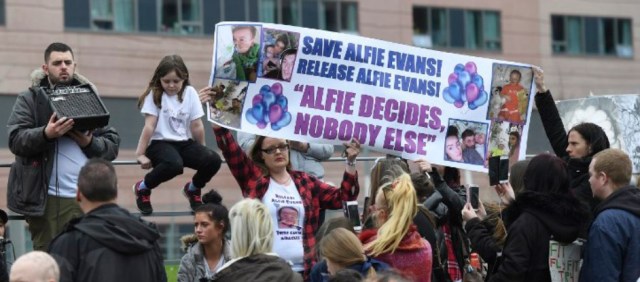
(266, 174)
(576, 147)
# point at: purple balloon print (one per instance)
(470, 67)
(276, 88)
(269, 108)
(466, 86)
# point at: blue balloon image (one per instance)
(275, 127)
(464, 78)
(459, 68)
(477, 80)
(258, 112)
(447, 96)
(250, 118)
(265, 88)
(282, 101)
(285, 120)
(482, 98)
(455, 90)
(268, 98)
(472, 105)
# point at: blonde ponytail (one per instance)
(401, 206)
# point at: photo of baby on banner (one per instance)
(465, 142)
(510, 89)
(504, 149)
(227, 98)
(280, 49)
(238, 52)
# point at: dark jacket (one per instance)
(257, 268)
(454, 201)
(34, 153)
(531, 221)
(320, 272)
(578, 169)
(480, 234)
(612, 252)
(435, 237)
(109, 244)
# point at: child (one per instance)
(172, 112)
(510, 109)
(246, 54)
(270, 62)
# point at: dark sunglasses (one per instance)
(272, 150)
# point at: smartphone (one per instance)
(494, 170)
(503, 173)
(353, 214)
(473, 195)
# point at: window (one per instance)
(575, 35)
(181, 16)
(115, 15)
(332, 15)
(2, 12)
(456, 28)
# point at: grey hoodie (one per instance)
(192, 267)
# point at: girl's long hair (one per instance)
(342, 247)
(399, 200)
(167, 64)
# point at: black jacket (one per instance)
(578, 169)
(480, 233)
(109, 244)
(30, 173)
(258, 268)
(532, 220)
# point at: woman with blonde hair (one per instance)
(397, 241)
(342, 249)
(251, 244)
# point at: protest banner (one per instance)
(325, 87)
(619, 117)
(565, 261)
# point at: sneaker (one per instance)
(193, 196)
(143, 199)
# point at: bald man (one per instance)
(35, 266)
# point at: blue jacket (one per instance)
(612, 252)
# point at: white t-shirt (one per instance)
(67, 163)
(174, 119)
(287, 212)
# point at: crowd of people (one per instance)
(418, 226)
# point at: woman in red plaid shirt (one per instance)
(266, 175)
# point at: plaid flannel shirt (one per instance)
(314, 193)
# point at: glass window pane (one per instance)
(592, 34)
(269, 11)
(491, 30)
(330, 16)
(624, 32)
(191, 10)
(349, 16)
(456, 27)
(101, 9)
(1, 12)
(124, 19)
(574, 35)
(472, 27)
(290, 12)
(169, 20)
(310, 14)
(234, 10)
(439, 27)
(147, 21)
(253, 12)
(609, 35)
(557, 28)
(420, 20)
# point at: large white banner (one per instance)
(618, 115)
(319, 86)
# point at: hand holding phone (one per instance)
(473, 195)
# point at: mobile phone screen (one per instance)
(354, 215)
(503, 173)
(494, 170)
(474, 197)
